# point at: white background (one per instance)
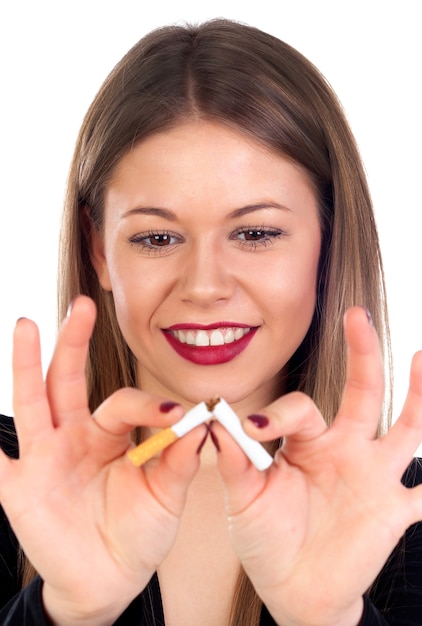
(55, 55)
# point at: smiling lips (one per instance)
(209, 345)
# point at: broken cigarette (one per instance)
(201, 413)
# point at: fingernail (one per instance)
(166, 407)
(201, 445)
(259, 421)
(369, 316)
(70, 307)
(213, 437)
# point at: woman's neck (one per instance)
(198, 577)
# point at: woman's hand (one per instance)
(93, 525)
(314, 530)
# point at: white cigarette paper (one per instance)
(253, 449)
(200, 414)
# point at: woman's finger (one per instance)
(66, 382)
(127, 408)
(30, 405)
(170, 476)
(243, 483)
(362, 400)
(293, 416)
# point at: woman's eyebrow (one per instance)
(250, 208)
(157, 211)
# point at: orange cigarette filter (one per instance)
(164, 438)
(152, 446)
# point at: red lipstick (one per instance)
(209, 355)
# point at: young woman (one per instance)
(219, 228)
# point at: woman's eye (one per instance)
(253, 237)
(159, 240)
(153, 241)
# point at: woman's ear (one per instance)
(95, 242)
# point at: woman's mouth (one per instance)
(209, 345)
(215, 337)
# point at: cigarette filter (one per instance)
(164, 438)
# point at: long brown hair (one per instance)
(237, 75)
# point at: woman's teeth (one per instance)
(216, 337)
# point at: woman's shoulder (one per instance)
(8, 438)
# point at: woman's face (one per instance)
(210, 246)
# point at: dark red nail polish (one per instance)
(369, 316)
(201, 445)
(213, 437)
(259, 421)
(70, 307)
(166, 407)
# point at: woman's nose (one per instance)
(206, 277)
